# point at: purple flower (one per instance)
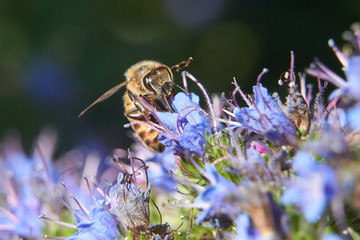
(265, 117)
(314, 187)
(100, 225)
(187, 126)
(213, 200)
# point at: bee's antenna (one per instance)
(181, 65)
(105, 96)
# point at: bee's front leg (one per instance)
(135, 114)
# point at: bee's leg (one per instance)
(138, 112)
(135, 114)
(169, 107)
(181, 65)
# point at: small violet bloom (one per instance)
(314, 187)
(100, 225)
(213, 200)
(265, 117)
(187, 126)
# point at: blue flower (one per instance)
(336, 150)
(245, 230)
(213, 200)
(102, 225)
(331, 236)
(187, 126)
(314, 187)
(161, 168)
(23, 223)
(265, 117)
(352, 72)
(20, 215)
(20, 205)
(353, 116)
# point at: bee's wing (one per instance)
(106, 95)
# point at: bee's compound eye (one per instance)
(149, 82)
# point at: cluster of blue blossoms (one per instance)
(270, 170)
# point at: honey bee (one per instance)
(152, 81)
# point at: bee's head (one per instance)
(160, 81)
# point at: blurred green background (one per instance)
(56, 57)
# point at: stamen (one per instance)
(229, 113)
(4, 227)
(46, 167)
(206, 96)
(342, 58)
(100, 191)
(145, 170)
(91, 167)
(239, 153)
(241, 93)
(303, 86)
(89, 188)
(219, 160)
(309, 94)
(184, 81)
(330, 75)
(223, 98)
(184, 117)
(292, 60)
(58, 222)
(133, 169)
(231, 122)
(9, 215)
(265, 70)
(81, 207)
(72, 210)
(12, 197)
(46, 237)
